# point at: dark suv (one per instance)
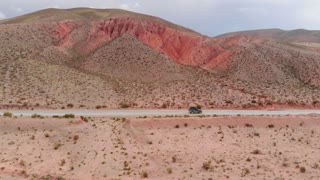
(194, 110)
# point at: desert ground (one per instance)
(162, 147)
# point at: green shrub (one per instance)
(84, 119)
(7, 114)
(68, 116)
(36, 116)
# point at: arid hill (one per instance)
(91, 58)
(298, 35)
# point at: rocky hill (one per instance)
(89, 58)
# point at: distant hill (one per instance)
(298, 35)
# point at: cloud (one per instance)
(17, 9)
(210, 17)
(133, 6)
(124, 6)
(136, 5)
(2, 16)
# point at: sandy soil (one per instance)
(160, 148)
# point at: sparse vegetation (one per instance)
(36, 116)
(76, 137)
(144, 174)
(206, 165)
(68, 116)
(7, 114)
(124, 105)
(256, 152)
(84, 119)
(57, 146)
(270, 126)
(174, 159)
(303, 169)
(248, 125)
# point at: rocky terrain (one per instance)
(88, 58)
(160, 147)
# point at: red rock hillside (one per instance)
(183, 47)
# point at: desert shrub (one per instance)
(124, 105)
(245, 172)
(76, 137)
(315, 103)
(206, 165)
(302, 169)
(257, 151)
(144, 174)
(174, 159)
(84, 119)
(270, 126)
(248, 125)
(57, 146)
(7, 114)
(199, 106)
(70, 105)
(68, 116)
(291, 102)
(98, 107)
(36, 116)
(62, 162)
(269, 103)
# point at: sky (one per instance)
(209, 17)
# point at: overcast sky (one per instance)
(210, 17)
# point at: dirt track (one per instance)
(159, 112)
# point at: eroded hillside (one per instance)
(107, 58)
